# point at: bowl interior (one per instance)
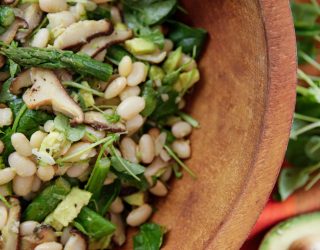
(229, 103)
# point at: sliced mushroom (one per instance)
(32, 14)
(76, 241)
(8, 36)
(101, 55)
(81, 32)
(2, 61)
(63, 75)
(41, 234)
(23, 80)
(10, 233)
(156, 57)
(10, 2)
(96, 45)
(99, 122)
(47, 90)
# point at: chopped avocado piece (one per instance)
(156, 73)
(187, 80)
(140, 46)
(87, 96)
(69, 208)
(9, 239)
(47, 200)
(53, 143)
(173, 61)
(284, 235)
(136, 199)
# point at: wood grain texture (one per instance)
(245, 103)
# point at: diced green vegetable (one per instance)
(69, 208)
(173, 60)
(156, 73)
(56, 59)
(93, 224)
(116, 52)
(150, 237)
(136, 199)
(47, 201)
(140, 46)
(187, 80)
(150, 96)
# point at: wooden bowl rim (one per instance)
(281, 57)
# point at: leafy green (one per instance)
(304, 14)
(150, 237)
(99, 13)
(150, 96)
(188, 38)
(93, 224)
(47, 200)
(128, 179)
(312, 148)
(5, 94)
(62, 124)
(116, 52)
(122, 165)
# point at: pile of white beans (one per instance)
(28, 175)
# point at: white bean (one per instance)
(138, 74)
(117, 206)
(48, 126)
(166, 175)
(125, 66)
(77, 170)
(182, 148)
(22, 185)
(49, 246)
(155, 166)
(37, 138)
(53, 6)
(36, 184)
(3, 216)
(147, 150)
(61, 19)
(22, 165)
(6, 175)
(46, 173)
(159, 189)
(1, 147)
(21, 144)
(76, 242)
(41, 38)
(79, 147)
(139, 215)
(115, 87)
(164, 155)
(168, 45)
(119, 236)
(27, 227)
(134, 124)
(159, 142)
(128, 149)
(181, 129)
(130, 91)
(6, 117)
(131, 107)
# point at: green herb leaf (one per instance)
(312, 148)
(73, 134)
(187, 37)
(122, 165)
(149, 237)
(5, 94)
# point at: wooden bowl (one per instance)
(245, 104)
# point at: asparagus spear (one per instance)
(56, 59)
(47, 200)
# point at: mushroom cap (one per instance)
(48, 91)
(81, 32)
(98, 44)
(23, 80)
(8, 36)
(99, 122)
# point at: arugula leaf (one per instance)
(150, 237)
(122, 165)
(296, 154)
(150, 12)
(5, 94)
(312, 148)
(73, 134)
(150, 96)
(141, 184)
(187, 37)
